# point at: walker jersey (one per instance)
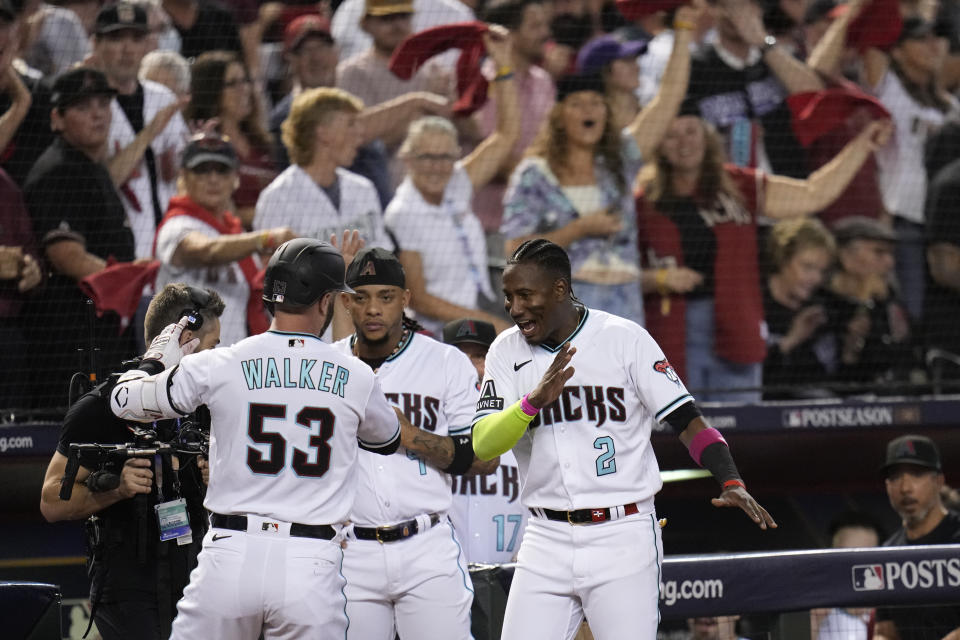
(287, 412)
(435, 386)
(488, 515)
(591, 447)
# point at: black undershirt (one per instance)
(132, 106)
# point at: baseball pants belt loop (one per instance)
(399, 531)
(587, 516)
(294, 529)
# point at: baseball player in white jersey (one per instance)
(592, 546)
(487, 513)
(288, 413)
(405, 569)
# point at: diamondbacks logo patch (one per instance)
(467, 329)
(489, 400)
(369, 269)
(664, 367)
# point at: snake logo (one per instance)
(664, 367)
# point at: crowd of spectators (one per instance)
(768, 186)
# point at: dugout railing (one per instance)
(779, 588)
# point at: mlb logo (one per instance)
(793, 418)
(270, 527)
(867, 577)
(296, 343)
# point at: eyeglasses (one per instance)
(206, 168)
(236, 82)
(435, 157)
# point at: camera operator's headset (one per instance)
(200, 300)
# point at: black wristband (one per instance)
(716, 457)
(462, 455)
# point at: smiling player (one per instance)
(586, 458)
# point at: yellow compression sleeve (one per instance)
(496, 434)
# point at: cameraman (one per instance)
(135, 579)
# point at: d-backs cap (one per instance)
(376, 266)
(73, 86)
(912, 449)
(121, 16)
(466, 330)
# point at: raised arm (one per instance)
(795, 76)
(485, 161)
(497, 433)
(650, 125)
(123, 163)
(381, 121)
(786, 197)
(827, 54)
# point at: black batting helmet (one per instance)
(301, 271)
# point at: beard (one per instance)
(373, 342)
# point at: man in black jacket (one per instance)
(136, 578)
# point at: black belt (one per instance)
(584, 516)
(239, 523)
(394, 533)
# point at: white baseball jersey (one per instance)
(287, 413)
(488, 515)
(434, 385)
(294, 200)
(590, 448)
(226, 279)
(135, 192)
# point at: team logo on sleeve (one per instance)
(489, 400)
(664, 367)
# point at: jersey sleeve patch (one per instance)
(489, 400)
(664, 367)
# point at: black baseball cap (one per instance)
(915, 28)
(471, 331)
(862, 228)
(208, 148)
(576, 82)
(376, 266)
(920, 451)
(121, 16)
(73, 86)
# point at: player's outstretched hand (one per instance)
(556, 375)
(738, 497)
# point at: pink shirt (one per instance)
(536, 94)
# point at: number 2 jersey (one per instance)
(288, 413)
(590, 448)
(435, 386)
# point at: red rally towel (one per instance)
(119, 287)
(878, 25)
(814, 114)
(466, 36)
(633, 10)
(257, 321)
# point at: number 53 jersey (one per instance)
(590, 448)
(289, 413)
